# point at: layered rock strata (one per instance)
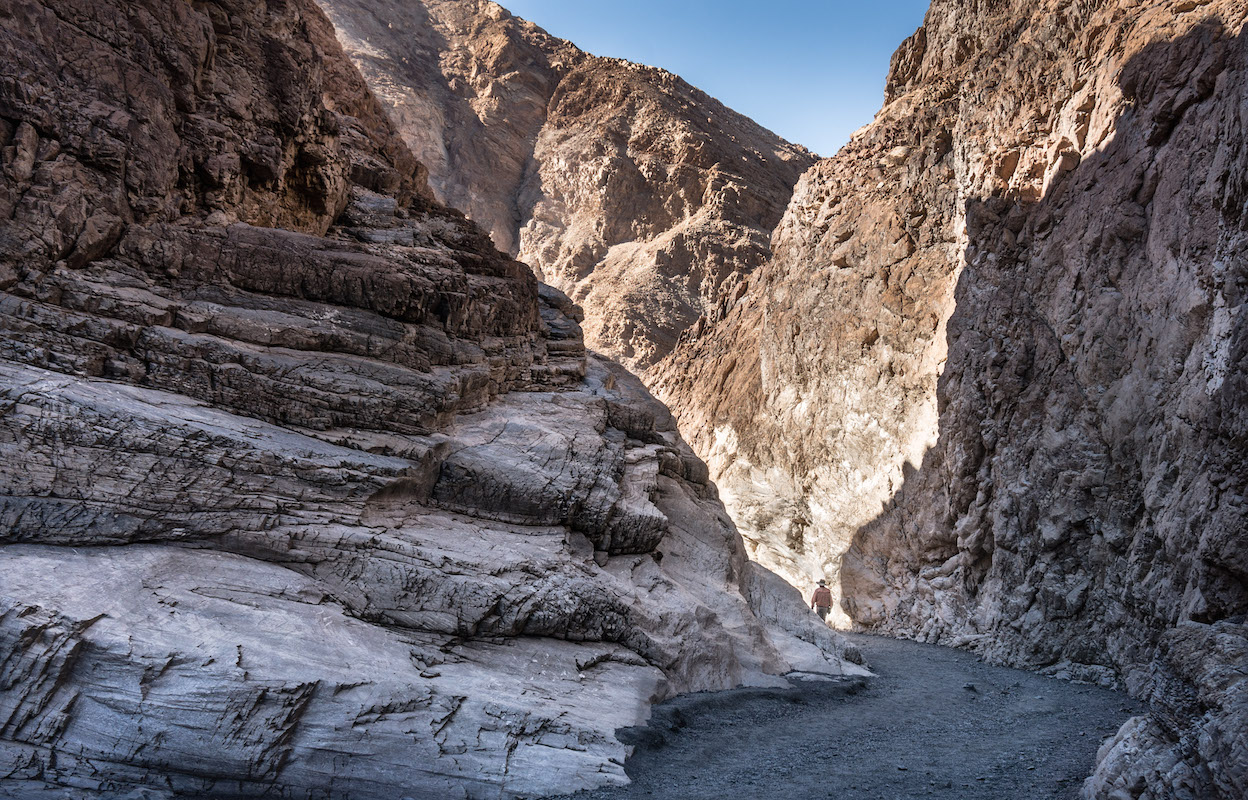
(642, 198)
(305, 489)
(993, 381)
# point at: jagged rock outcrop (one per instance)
(643, 199)
(305, 489)
(994, 378)
(1194, 742)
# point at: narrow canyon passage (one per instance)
(936, 722)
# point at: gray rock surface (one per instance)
(992, 382)
(642, 198)
(1194, 742)
(306, 491)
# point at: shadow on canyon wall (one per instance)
(426, 105)
(1087, 490)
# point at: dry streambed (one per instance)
(936, 722)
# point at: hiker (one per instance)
(822, 601)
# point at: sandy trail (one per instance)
(917, 730)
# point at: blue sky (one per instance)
(811, 70)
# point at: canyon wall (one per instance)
(305, 489)
(993, 379)
(642, 198)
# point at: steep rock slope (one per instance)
(994, 378)
(305, 489)
(639, 196)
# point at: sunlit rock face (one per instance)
(642, 198)
(306, 491)
(993, 381)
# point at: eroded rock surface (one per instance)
(305, 489)
(642, 198)
(992, 382)
(1194, 742)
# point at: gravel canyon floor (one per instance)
(937, 722)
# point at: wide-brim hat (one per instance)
(823, 583)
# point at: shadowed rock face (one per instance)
(305, 489)
(993, 378)
(643, 199)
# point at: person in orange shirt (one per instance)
(822, 601)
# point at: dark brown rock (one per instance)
(642, 198)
